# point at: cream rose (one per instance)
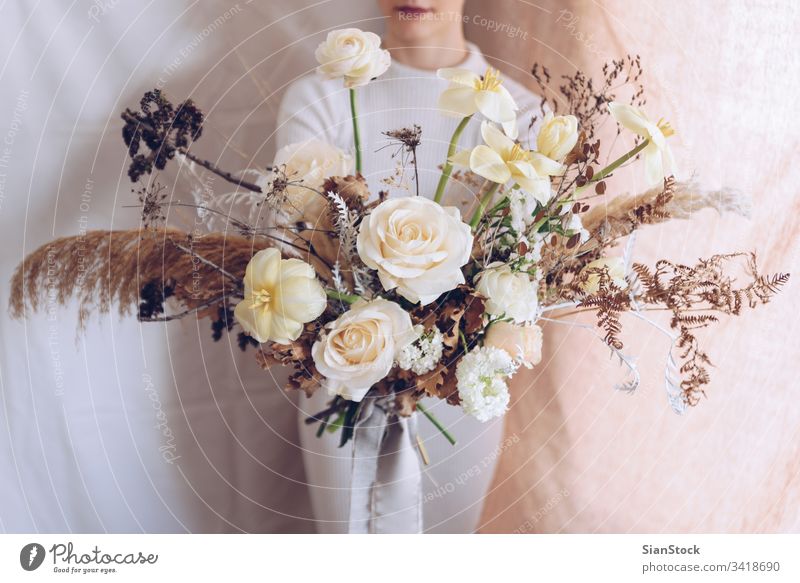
(417, 246)
(558, 136)
(522, 343)
(616, 270)
(508, 293)
(280, 295)
(360, 347)
(353, 55)
(310, 163)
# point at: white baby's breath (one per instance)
(423, 355)
(574, 226)
(481, 375)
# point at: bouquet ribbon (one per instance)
(386, 488)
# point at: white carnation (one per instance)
(481, 376)
(423, 355)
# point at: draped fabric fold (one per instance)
(386, 489)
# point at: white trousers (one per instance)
(455, 483)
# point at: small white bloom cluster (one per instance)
(522, 205)
(528, 260)
(573, 225)
(423, 355)
(481, 376)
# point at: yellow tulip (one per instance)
(280, 295)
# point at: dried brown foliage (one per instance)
(586, 98)
(101, 268)
(694, 295)
(674, 200)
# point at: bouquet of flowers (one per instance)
(395, 299)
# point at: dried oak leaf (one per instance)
(305, 378)
(473, 315)
(405, 403)
(353, 190)
(266, 360)
(450, 319)
(430, 382)
(297, 351)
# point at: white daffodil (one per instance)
(501, 160)
(658, 161)
(469, 93)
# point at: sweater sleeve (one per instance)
(312, 108)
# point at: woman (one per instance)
(422, 36)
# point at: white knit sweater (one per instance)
(315, 108)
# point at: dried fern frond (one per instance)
(675, 200)
(102, 268)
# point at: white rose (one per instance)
(508, 293)
(558, 136)
(353, 55)
(361, 346)
(309, 163)
(616, 270)
(522, 343)
(417, 246)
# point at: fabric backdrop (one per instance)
(124, 428)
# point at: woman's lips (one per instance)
(412, 9)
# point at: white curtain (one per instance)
(128, 427)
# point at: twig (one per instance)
(225, 175)
(167, 318)
(204, 163)
(211, 264)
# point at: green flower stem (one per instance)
(348, 298)
(487, 198)
(436, 423)
(614, 165)
(447, 169)
(356, 136)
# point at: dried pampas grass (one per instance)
(675, 200)
(101, 268)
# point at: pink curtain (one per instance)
(587, 458)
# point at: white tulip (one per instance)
(558, 136)
(360, 347)
(417, 246)
(352, 55)
(280, 295)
